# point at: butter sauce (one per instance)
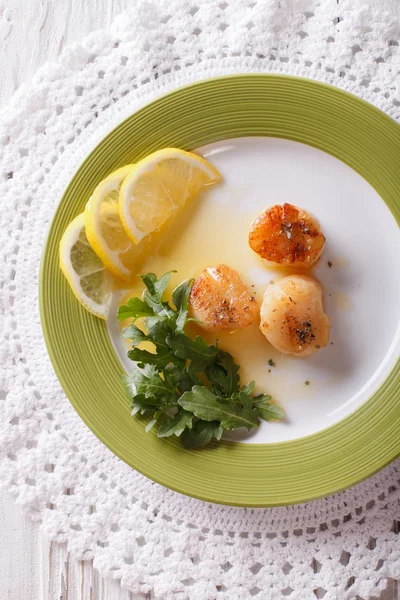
(207, 233)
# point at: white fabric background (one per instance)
(21, 65)
(34, 32)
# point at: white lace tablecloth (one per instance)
(151, 538)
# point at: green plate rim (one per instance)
(253, 475)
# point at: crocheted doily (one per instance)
(155, 540)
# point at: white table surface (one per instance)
(31, 33)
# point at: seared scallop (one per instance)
(292, 316)
(220, 300)
(287, 236)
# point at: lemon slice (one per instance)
(104, 229)
(159, 185)
(90, 281)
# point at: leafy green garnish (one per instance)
(192, 386)
(177, 425)
(207, 406)
(148, 381)
(135, 309)
(196, 351)
(201, 434)
(224, 375)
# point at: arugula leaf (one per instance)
(232, 372)
(249, 388)
(135, 308)
(261, 399)
(216, 376)
(180, 297)
(177, 425)
(266, 410)
(179, 294)
(150, 425)
(270, 412)
(142, 404)
(201, 434)
(158, 328)
(187, 381)
(160, 285)
(173, 372)
(207, 406)
(218, 431)
(197, 351)
(135, 334)
(147, 381)
(245, 400)
(149, 279)
(159, 359)
(154, 292)
(223, 375)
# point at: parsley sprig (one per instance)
(192, 388)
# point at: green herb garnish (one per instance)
(193, 387)
(271, 363)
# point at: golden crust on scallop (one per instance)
(287, 236)
(220, 300)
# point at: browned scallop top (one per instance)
(300, 331)
(287, 235)
(293, 317)
(220, 300)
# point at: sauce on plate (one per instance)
(210, 232)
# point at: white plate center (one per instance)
(361, 287)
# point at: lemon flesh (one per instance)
(90, 281)
(104, 228)
(158, 186)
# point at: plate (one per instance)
(339, 156)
